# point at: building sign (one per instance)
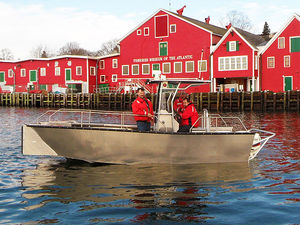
(165, 58)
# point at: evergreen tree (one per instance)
(266, 30)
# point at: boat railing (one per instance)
(90, 118)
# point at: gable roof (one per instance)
(252, 40)
(204, 26)
(295, 16)
(212, 28)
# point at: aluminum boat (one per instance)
(112, 137)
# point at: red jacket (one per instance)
(178, 104)
(140, 107)
(189, 116)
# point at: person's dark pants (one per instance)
(184, 129)
(143, 126)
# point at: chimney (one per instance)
(207, 20)
(228, 26)
(180, 11)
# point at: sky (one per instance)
(26, 24)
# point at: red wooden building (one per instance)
(174, 44)
(235, 61)
(280, 59)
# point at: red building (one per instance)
(280, 59)
(78, 73)
(176, 45)
(235, 61)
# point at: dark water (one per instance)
(44, 190)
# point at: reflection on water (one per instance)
(180, 192)
(45, 190)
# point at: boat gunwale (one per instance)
(148, 132)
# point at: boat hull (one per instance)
(131, 147)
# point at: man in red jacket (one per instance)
(142, 108)
(189, 116)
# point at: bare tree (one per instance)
(6, 54)
(41, 51)
(237, 19)
(108, 47)
(72, 48)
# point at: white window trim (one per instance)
(200, 66)
(169, 67)
(92, 68)
(43, 72)
(283, 42)
(22, 73)
(123, 70)
(114, 78)
(102, 66)
(175, 67)
(287, 56)
(236, 69)
(167, 25)
(101, 76)
(146, 28)
(138, 66)
(231, 50)
(139, 32)
(113, 63)
(10, 73)
(55, 74)
(269, 67)
(143, 69)
(256, 62)
(291, 41)
(79, 74)
(173, 25)
(186, 66)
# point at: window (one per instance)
(56, 63)
(233, 63)
(161, 26)
(202, 66)
(135, 69)
(166, 67)
(69, 63)
(139, 32)
(78, 70)
(189, 66)
(146, 69)
(115, 63)
(232, 46)
(43, 72)
(57, 71)
(156, 67)
(102, 64)
(177, 67)
(287, 61)
(10, 73)
(163, 48)
(146, 31)
(23, 72)
(295, 44)
(271, 62)
(173, 28)
(102, 78)
(114, 78)
(92, 71)
(281, 42)
(125, 70)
